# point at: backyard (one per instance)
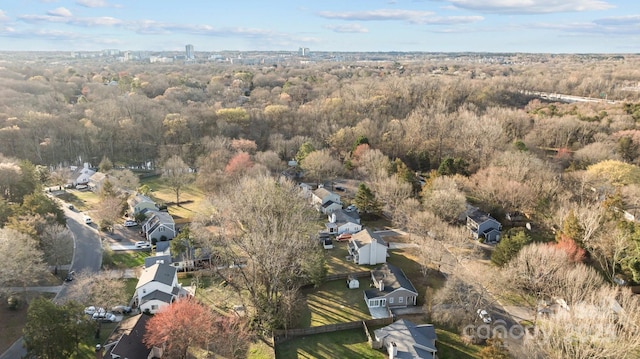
(191, 199)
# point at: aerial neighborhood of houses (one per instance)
(389, 291)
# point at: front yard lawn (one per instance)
(123, 259)
(333, 303)
(341, 344)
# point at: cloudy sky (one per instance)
(552, 26)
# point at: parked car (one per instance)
(343, 237)
(339, 188)
(93, 310)
(71, 207)
(82, 187)
(123, 309)
(327, 243)
(70, 276)
(104, 317)
(130, 223)
(142, 244)
(486, 318)
(352, 208)
(87, 220)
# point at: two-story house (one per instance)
(160, 226)
(325, 201)
(341, 221)
(139, 203)
(158, 287)
(368, 248)
(483, 226)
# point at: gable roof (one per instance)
(480, 217)
(322, 192)
(97, 177)
(130, 344)
(158, 295)
(159, 272)
(393, 279)
(412, 341)
(138, 198)
(343, 216)
(365, 237)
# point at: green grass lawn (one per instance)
(82, 200)
(336, 262)
(191, 198)
(451, 346)
(342, 344)
(332, 303)
(123, 259)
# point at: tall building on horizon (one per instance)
(190, 52)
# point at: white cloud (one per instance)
(3, 16)
(79, 21)
(379, 15)
(92, 3)
(411, 16)
(61, 11)
(532, 6)
(354, 28)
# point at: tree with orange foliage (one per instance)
(574, 252)
(239, 163)
(178, 327)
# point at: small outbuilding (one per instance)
(353, 282)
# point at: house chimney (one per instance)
(392, 349)
(381, 285)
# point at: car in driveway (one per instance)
(343, 237)
(87, 219)
(93, 310)
(70, 276)
(130, 223)
(143, 244)
(122, 309)
(104, 317)
(486, 318)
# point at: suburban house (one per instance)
(81, 175)
(128, 342)
(96, 181)
(483, 226)
(162, 255)
(139, 203)
(391, 288)
(367, 248)
(158, 287)
(341, 221)
(321, 196)
(159, 227)
(405, 340)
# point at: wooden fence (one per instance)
(346, 275)
(281, 335)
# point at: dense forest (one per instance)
(426, 136)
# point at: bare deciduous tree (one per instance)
(57, 244)
(22, 261)
(177, 175)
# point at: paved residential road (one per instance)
(87, 256)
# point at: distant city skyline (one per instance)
(535, 26)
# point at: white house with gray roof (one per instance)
(341, 221)
(368, 248)
(158, 287)
(404, 339)
(325, 201)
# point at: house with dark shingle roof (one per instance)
(391, 288)
(341, 221)
(482, 225)
(405, 340)
(158, 287)
(129, 340)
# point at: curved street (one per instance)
(87, 256)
